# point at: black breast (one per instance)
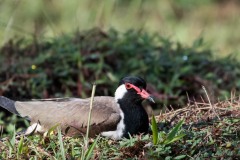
(135, 118)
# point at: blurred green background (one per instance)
(218, 21)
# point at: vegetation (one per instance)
(202, 85)
(68, 65)
(207, 132)
(182, 20)
(176, 74)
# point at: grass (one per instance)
(86, 150)
(66, 67)
(183, 20)
(202, 135)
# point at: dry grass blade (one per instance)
(85, 148)
(90, 113)
(212, 106)
(202, 112)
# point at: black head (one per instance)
(132, 88)
(135, 80)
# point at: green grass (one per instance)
(192, 139)
(66, 66)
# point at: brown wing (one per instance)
(72, 114)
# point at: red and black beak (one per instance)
(144, 94)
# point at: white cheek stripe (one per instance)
(120, 92)
(118, 133)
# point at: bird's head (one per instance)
(132, 88)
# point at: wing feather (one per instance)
(72, 112)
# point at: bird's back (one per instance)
(71, 113)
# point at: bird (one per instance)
(113, 117)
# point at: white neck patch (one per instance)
(120, 92)
(118, 133)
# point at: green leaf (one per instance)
(172, 135)
(11, 142)
(180, 157)
(154, 130)
(90, 149)
(61, 143)
(52, 129)
(20, 146)
(176, 138)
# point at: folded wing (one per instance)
(72, 114)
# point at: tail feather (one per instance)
(8, 104)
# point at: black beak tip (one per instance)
(150, 98)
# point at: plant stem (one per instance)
(89, 114)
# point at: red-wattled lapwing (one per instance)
(113, 117)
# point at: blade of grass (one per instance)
(84, 151)
(210, 104)
(20, 147)
(90, 113)
(173, 133)
(72, 150)
(154, 130)
(61, 143)
(12, 142)
(50, 131)
(176, 138)
(10, 146)
(90, 149)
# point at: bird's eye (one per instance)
(128, 85)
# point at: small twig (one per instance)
(188, 98)
(160, 114)
(1, 130)
(175, 116)
(213, 108)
